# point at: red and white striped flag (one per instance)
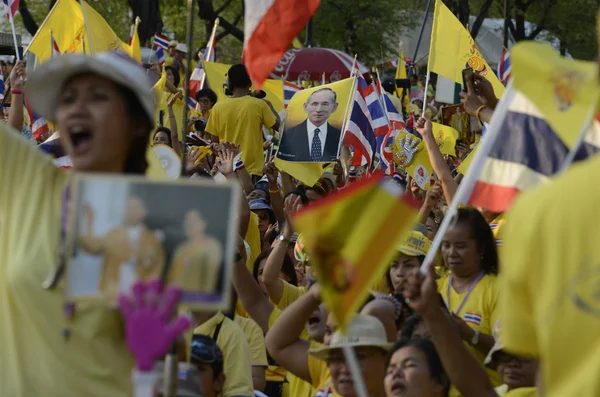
(11, 7)
(270, 26)
(197, 78)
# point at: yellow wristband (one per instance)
(479, 109)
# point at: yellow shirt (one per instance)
(549, 280)
(290, 294)
(35, 359)
(256, 340)
(479, 311)
(240, 121)
(298, 387)
(236, 355)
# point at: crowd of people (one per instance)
(432, 335)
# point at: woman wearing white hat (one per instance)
(104, 109)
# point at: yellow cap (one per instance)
(415, 244)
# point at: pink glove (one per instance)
(149, 331)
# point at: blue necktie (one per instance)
(315, 148)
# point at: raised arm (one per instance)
(173, 125)
(254, 301)
(283, 339)
(276, 198)
(225, 166)
(17, 79)
(463, 370)
(436, 158)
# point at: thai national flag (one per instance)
(525, 152)
(1, 87)
(504, 67)
(12, 6)
(379, 120)
(161, 41)
(289, 89)
(55, 149)
(160, 55)
(359, 131)
(192, 104)
(55, 49)
(393, 64)
(383, 143)
(198, 73)
(39, 126)
(473, 318)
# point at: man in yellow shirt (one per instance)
(549, 281)
(240, 120)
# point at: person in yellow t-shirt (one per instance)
(240, 120)
(549, 281)
(258, 351)
(236, 352)
(103, 106)
(470, 290)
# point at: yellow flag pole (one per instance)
(87, 30)
(213, 37)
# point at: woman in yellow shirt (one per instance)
(469, 291)
(104, 109)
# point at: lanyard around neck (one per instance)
(471, 288)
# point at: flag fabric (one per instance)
(289, 89)
(359, 131)
(445, 137)
(527, 153)
(393, 64)
(134, 49)
(401, 67)
(379, 120)
(161, 41)
(69, 36)
(262, 49)
(386, 157)
(504, 67)
(1, 87)
(38, 125)
(198, 73)
(160, 55)
(54, 148)
(192, 103)
(55, 49)
(12, 6)
(452, 49)
(564, 90)
(351, 237)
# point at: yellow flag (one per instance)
(401, 68)
(352, 237)
(215, 75)
(453, 49)
(563, 90)
(69, 36)
(134, 49)
(464, 165)
(155, 169)
(445, 137)
(296, 43)
(160, 97)
(410, 155)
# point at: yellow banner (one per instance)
(564, 90)
(453, 49)
(445, 137)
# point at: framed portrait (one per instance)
(125, 229)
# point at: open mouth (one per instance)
(398, 388)
(314, 320)
(81, 138)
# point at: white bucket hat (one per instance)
(363, 331)
(45, 84)
(181, 47)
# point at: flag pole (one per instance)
(354, 367)
(87, 29)
(14, 33)
(425, 93)
(185, 118)
(466, 186)
(506, 19)
(213, 37)
(412, 65)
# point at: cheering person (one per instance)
(104, 109)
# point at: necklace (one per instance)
(471, 288)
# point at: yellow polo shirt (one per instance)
(550, 273)
(479, 312)
(240, 121)
(35, 358)
(256, 340)
(236, 355)
(290, 294)
(320, 375)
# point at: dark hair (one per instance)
(436, 369)
(287, 268)
(300, 192)
(484, 238)
(166, 131)
(410, 325)
(136, 162)
(239, 77)
(176, 76)
(388, 278)
(207, 93)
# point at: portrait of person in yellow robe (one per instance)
(130, 252)
(196, 265)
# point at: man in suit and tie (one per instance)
(313, 140)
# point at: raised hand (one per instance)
(485, 91)
(150, 326)
(174, 97)
(271, 171)
(420, 291)
(407, 147)
(225, 163)
(18, 75)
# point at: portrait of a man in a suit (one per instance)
(313, 140)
